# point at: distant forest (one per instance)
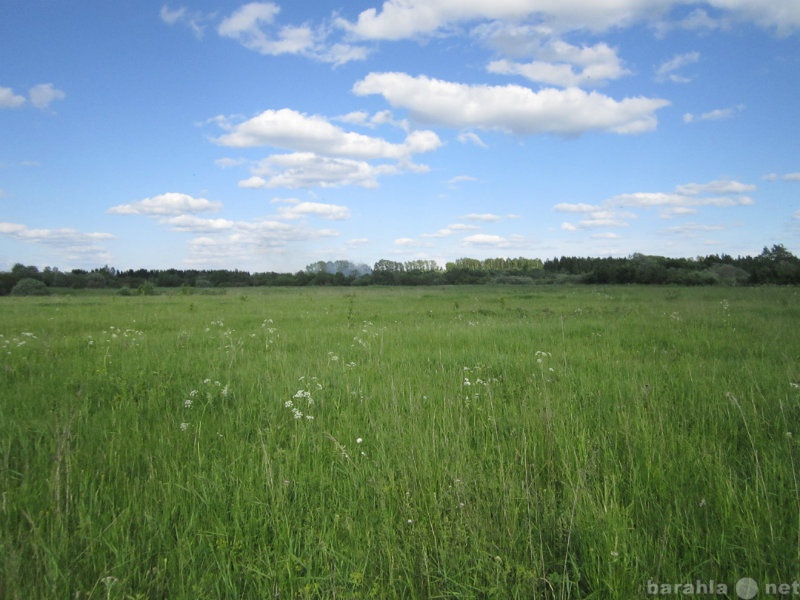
(774, 265)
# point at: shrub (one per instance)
(28, 286)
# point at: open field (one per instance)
(514, 442)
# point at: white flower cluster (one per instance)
(211, 390)
(302, 400)
(17, 341)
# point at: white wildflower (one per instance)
(184, 426)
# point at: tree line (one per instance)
(775, 265)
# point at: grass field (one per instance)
(486, 442)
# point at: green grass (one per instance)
(518, 442)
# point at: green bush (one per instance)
(28, 286)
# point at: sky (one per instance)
(267, 136)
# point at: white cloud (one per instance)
(249, 239)
(8, 99)
(459, 179)
(43, 94)
(720, 186)
(718, 114)
(659, 199)
(306, 169)
(667, 70)
(576, 208)
(484, 217)
(469, 137)
(197, 224)
(325, 155)
(512, 108)
(194, 20)
(785, 177)
(245, 26)
(172, 16)
(72, 245)
(253, 26)
(486, 240)
(300, 210)
(287, 128)
(557, 62)
(40, 95)
(169, 204)
(685, 200)
(690, 228)
(796, 214)
(403, 19)
(697, 20)
(450, 230)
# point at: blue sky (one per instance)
(270, 135)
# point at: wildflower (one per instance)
(184, 426)
(359, 440)
(297, 414)
(187, 403)
(288, 404)
(224, 391)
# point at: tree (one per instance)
(28, 286)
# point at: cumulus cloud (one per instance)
(300, 210)
(685, 200)
(565, 65)
(41, 96)
(486, 240)
(290, 129)
(403, 19)
(8, 99)
(72, 245)
(450, 230)
(325, 155)
(511, 108)
(253, 26)
(249, 239)
(194, 20)
(197, 224)
(169, 204)
(306, 170)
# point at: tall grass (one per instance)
(399, 443)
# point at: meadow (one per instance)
(463, 442)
